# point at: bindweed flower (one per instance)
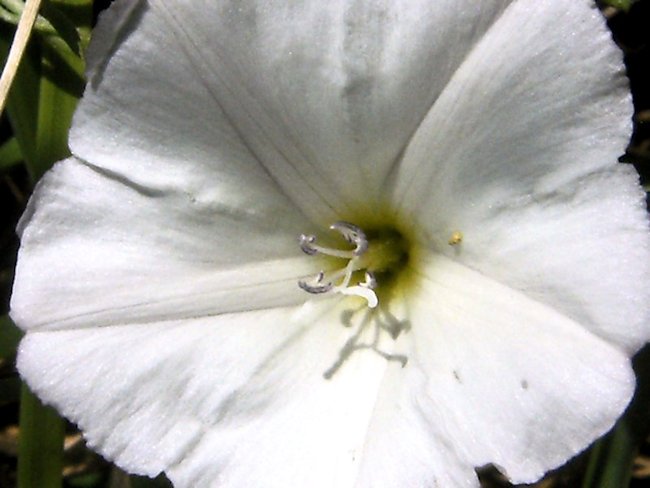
(340, 244)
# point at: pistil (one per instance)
(379, 255)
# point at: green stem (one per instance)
(40, 110)
(40, 449)
(610, 463)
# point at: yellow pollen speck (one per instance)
(455, 238)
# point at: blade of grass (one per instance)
(620, 4)
(65, 29)
(17, 49)
(10, 154)
(9, 337)
(56, 107)
(22, 104)
(49, 22)
(40, 110)
(45, 91)
(40, 446)
(57, 101)
(62, 37)
(610, 462)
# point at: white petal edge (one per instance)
(292, 90)
(526, 113)
(583, 250)
(511, 381)
(520, 154)
(96, 250)
(235, 400)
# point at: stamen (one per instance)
(308, 247)
(363, 290)
(338, 281)
(318, 286)
(306, 244)
(315, 289)
(352, 234)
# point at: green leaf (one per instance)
(48, 83)
(63, 39)
(22, 104)
(93, 479)
(56, 107)
(9, 337)
(13, 6)
(8, 16)
(10, 154)
(40, 446)
(80, 13)
(49, 22)
(610, 462)
(40, 107)
(620, 4)
(59, 24)
(60, 86)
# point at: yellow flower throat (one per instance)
(369, 269)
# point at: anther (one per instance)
(306, 244)
(339, 281)
(315, 289)
(352, 234)
(318, 286)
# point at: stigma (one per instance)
(360, 265)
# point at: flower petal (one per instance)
(583, 250)
(512, 381)
(540, 102)
(97, 250)
(519, 154)
(403, 448)
(320, 96)
(238, 398)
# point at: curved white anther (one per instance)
(339, 281)
(315, 289)
(352, 234)
(317, 286)
(306, 244)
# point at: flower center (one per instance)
(376, 258)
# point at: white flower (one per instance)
(475, 145)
